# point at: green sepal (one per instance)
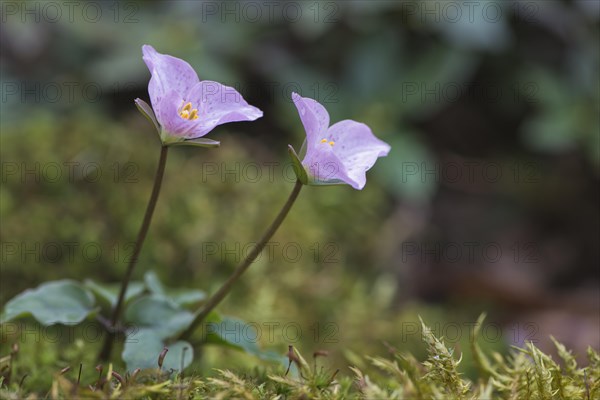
(199, 142)
(332, 182)
(299, 169)
(147, 112)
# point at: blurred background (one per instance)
(488, 201)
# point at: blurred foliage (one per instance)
(520, 92)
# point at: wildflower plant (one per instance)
(183, 109)
(158, 326)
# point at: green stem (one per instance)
(116, 314)
(226, 288)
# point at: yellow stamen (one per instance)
(189, 113)
(323, 140)
(331, 143)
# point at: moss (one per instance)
(525, 373)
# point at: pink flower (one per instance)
(185, 107)
(341, 153)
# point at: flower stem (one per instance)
(116, 314)
(216, 298)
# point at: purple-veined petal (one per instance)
(324, 166)
(168, 116)
(168, 73)
(217, 104)
(340, 153)
(357, 148)
(314, 117)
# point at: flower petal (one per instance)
(357, 149)
(314, 117)
(217, 104)
(168, 115)
(168, 73)
(325, 168)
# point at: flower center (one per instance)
(330, 142)
(189, 113)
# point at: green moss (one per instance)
(525, 373)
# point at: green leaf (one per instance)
(143, 347)
(237, 334)
(158, 313)
(57, 302)
(199, 142)
(183, 297)
(186, 297)
(109, 293)
(147, 112)
(157, 317)
(153, 284)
